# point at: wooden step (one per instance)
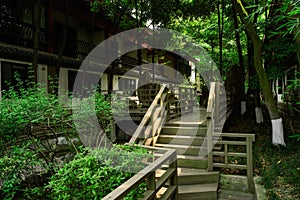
(188, 176)
(191, 162)
(190, 131)
(185, 149)
(186, 124)
(180, 139)
(188, 150)
(206, 191)
(186, 161)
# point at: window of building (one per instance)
(87, 80)
(127, 84)
(70, 47)
(12, 74)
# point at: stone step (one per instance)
(190, 131)
(234, 195)
(207, 191)
(189, 176)
(180, 139)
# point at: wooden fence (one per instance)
(181, 101)
(215, 116)
(236, 139)
(152, 122)
(160, 177)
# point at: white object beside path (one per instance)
(277, 130)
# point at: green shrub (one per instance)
(30, 110)
(95, 173)
(17, 166)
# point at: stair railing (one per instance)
(211, 117)
(150, 127)
(242, 156)
(166, 165)
(216, 115)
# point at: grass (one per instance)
(279, 167)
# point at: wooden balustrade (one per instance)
(236, 139)
(216, 114)
(21, 34)
(181, 101)
(160, 177)
(152, 122)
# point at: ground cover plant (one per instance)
(41, 156)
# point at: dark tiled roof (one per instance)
(25, 54)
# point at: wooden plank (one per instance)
(149, 194)
(232, 154)
(239, 135)
(147, 115)
(210, 128)
(223, 165)
(211, 102)
(148, 132)
(165, 177)
(140, 177)
(250, 166)
(231, 142)
(169, 193)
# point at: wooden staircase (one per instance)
(194, 181)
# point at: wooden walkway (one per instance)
(200, 146)
(198, 116)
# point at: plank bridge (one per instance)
(188, 147)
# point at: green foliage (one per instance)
(95, 173)
(19, 171)
(27, 161)
(103, 107)
(289, 15)
(129, 14)
(205, 33)
(23, 111)
(293, 86)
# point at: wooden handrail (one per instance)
(211, 98)
(154, 118)
(214, 112)
(210, 115)
(154, 184)
(247, 142)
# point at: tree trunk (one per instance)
(241, 60)
(36, 35)
(64, 36)
(262, 75)
(61, 46)
(220, 27)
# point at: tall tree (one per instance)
(262, 75)
(240, 54)
(62, 43)
(36, 35)
(221, 29)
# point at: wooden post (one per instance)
(250, 165)
(113, 136)
(174, 179)
(150, 181)
(209, 143)
(217, 103)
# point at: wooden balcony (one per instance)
(21, 34)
